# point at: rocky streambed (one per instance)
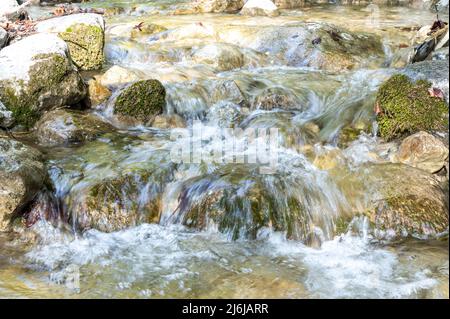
(98, 98)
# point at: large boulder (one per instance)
(406, 107)
(85, 35)
(424, 151)
(22, 177)
(218, 6)
(36, 75)
(260, 8)
(61, 127)
(140, 102)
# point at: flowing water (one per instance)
(278, 238)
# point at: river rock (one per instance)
(6, 117)
(276, 98)
(140, 102)
(260, 8)
(225, 114)
(62, 127)
(218, 6)
(36, 75)
(225, 90)
(3, 37)
(123, 195)
(97, 93)
(146, 29)
(316, 45)
(84, 34)
(22, 177)
(221, 56)
(424, 151)
(405, 201)
(118, 76)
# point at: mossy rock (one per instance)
(141, 101)
(117, 203)
(52, 83)
(86, 43)
(239, 202)
(407, 108)
(401, 200)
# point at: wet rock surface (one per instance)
(38, 75)
(22, 176)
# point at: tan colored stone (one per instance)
(424, 151)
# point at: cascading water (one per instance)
(132, 222)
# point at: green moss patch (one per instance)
(142, 100)
(86, 45)
(407, 108)
(22, 99)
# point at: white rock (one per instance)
(6, 6)
(16, 59)
(60, 24)
(260, 7)
(424, 151)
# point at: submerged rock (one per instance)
(225, 114)
(61, 127)
(22, 177)
(424, 151)
(238, 201)
(316, 45)
(260, 8)
(407, 107)
(141, 102)
(168, 122)
(276, 98)
(146, 29)
(36, 75)
(221, 56)
(113, 183)
(225, 90)
(84, 33)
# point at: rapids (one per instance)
(247, 254)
